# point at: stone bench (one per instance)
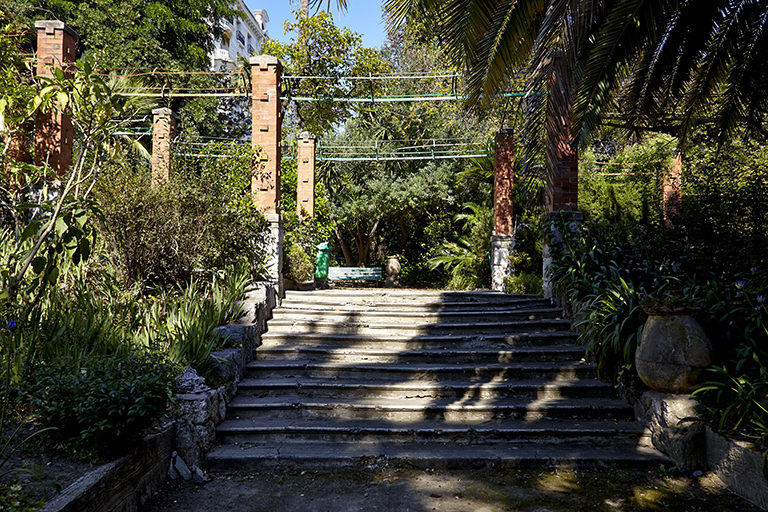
(354, 273)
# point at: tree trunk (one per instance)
(403, 230)
(344, 249)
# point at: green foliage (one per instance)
(104, 402)
(628, 189)
(137, 34)
(606, 289)
(202, 218)
(13, 498)
(181, 326)
(468, 261)
(725, 208)
(59, 232)
(342, 55)
(735, 391)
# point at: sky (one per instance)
(363, 17)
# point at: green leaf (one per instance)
(39, 264)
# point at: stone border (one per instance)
(739, 467)
(126, 484)
(198, 414)
(122, 485)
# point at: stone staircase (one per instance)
(429, 379)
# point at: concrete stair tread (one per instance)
(375, 311)
(425, 378)
(354, 454)
(378, 351)
(419, 404)
(550, 426)
(258, 364)
(279, 322)
(310, 337)
(419, 385)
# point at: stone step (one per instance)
(404, 295)
(388, 317)
(346, 354)
(522, 389)
(597, 433)
(321, 300)
(471, 373)
(400, 342)
(351, 378)
(420, 409)
(309, 326)
(327, 456)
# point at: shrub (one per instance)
(202, 218)
(101, 402)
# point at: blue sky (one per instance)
(364, 17)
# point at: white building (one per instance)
(242, 37)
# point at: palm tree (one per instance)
(666, 63)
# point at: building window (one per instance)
(251, 49)
(241, 37)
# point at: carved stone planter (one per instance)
(673, 352)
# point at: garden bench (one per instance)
(354, 273)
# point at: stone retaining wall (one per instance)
(122, 485)
(198, 414)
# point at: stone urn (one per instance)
(673, 352)
(393, 272)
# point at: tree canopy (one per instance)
(662, 64)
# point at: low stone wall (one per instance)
(677, 432)
(197, 414)
(122, 485)
(739, 467)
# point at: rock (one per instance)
(172, 473)
(190, 382)
(675, 428)
(237, 335)
(199, 477)
(181, 467)
(228, 364)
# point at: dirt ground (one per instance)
(411, 490)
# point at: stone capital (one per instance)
(52, 25)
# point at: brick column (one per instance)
(305, 175)
(163, 133)
(54, 133)
(672, 190)
(502, 239)
(562, 193)
(266, 131)
(265, 135)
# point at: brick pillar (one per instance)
(562, 193)
(265, 135)
(163, 133)
(502, 239)
(266, 131)
(672, 190)
(305, 175)
(54, 133)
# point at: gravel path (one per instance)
(410, 490)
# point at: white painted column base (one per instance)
(502, 247)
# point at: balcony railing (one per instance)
(241, 37)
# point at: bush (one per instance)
(101, 402)
(202, 218)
